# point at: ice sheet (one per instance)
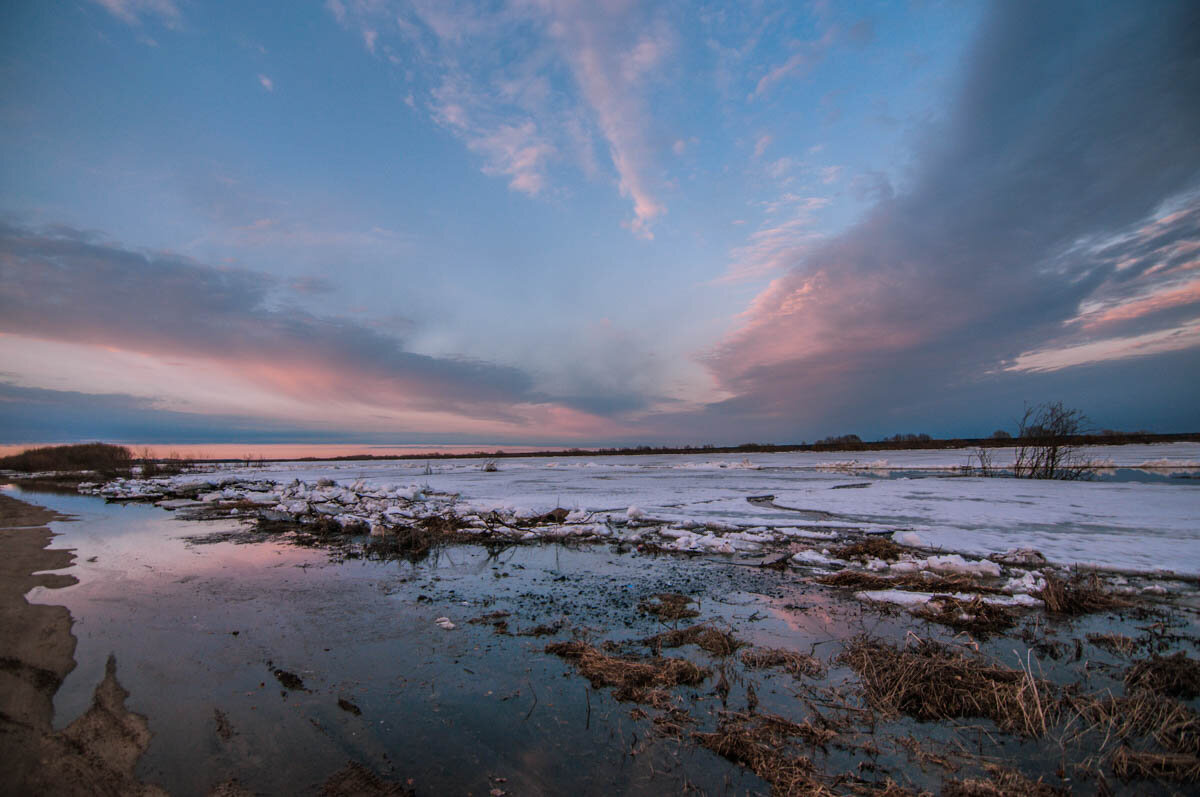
(1120, 524)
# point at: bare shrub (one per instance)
(1048, 447)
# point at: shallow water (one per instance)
(197, 629)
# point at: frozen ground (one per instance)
(1140, 513)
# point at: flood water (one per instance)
(198, 628)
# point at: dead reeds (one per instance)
(633, 679)
(975, 616)
(1144, 714)
(1077, 595)
(1129, 764)
(916, 582)
(1176, 676)
(870, 548)
(704, 636)
(795, 664)
(928, 681)
(1117, 644)
(418, 540)
(759, 742)
(1002, 782)
(669, 606)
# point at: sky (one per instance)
(541, 222)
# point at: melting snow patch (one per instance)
(909, 538)
(812, 558)
(808, 534)
(1030, 582)
(902, 598)
(953, 563)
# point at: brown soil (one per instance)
(96, 753)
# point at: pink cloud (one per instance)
(1155, 302)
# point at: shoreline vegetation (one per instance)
(113, 458)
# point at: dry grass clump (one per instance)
(1129, 764)
(854, 579)
(1003, 783)
(1117, 644)
(975, 616)
(637, 680)
(929, 681)
(416, 541)
(543, 629)
(1077, 595)
(870, 548)
(1176, 676)
(669, 606)
(1171, 724)
(672, 721)
(703, 635)
(796, 664)
(758, 742)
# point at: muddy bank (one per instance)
(96, 753)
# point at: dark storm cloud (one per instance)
(1074, 124)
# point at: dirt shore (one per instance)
(96, 753)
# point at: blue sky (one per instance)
(584, 223)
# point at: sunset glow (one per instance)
(578, 224)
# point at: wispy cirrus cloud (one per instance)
(134, 12)
(784, 239)
(582, 78)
